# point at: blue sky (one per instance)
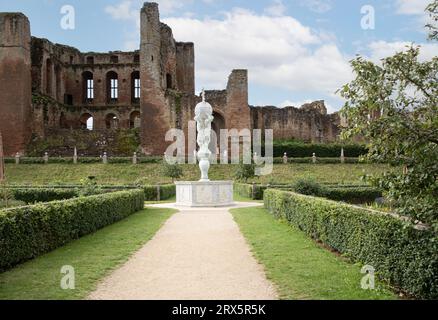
(296, 50)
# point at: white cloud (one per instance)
(411, 7)
(383, 49)
(319, 6)
(276, 9)
(278, 51)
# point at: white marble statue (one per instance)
(204, 118)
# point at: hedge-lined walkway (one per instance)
(198, 254)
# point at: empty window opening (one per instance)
(90, 60)
(88, 87)
(114, 59)
(112, 121)
(136, 86)
(87, 122)
(49, 82)
(112, 87)
(137, 58)
(68, 99)
(169, 81)
(135, 120)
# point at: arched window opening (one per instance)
(112, 87)
(49, 80)
(135, 86)
(217, 125)
(87, 122)
(112, 122)
(88, 85)
(169, 81)
(135, 120)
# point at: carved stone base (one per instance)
(204, 194)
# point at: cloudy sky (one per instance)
(296, 50)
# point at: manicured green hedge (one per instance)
(166, 192)
(27, 232)
(305, 150)
(33, 195)
(84, 160)
(401, 253)
(352, 194)
(254, 192)
(318, 160)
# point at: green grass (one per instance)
(151, 174)
(299, 267)
(92, 256)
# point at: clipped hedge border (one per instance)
(331, 150)
(346, 193)
(84, 160)
(318, 160)
(352, 194)
(27, 232)
(402, 254)
(33, 195)
(166, 192)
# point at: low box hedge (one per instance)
(319, 160)
(166, 192)
(401, 253)
(352, 194)
(33, 195)
(29, 231)
(298, 149)
(356, 194)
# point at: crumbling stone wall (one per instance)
(308, 123)
(44, 91)
(15, 82)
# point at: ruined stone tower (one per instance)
(56, 92)
(15, 79)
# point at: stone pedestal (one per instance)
(204, 194)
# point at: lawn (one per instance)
(114, 174)
(92, 257)
(298, 266)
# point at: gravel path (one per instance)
(197, 254)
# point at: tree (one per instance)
(394, 106)
(245, 172)
(173, 171)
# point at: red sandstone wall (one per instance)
(15, 79)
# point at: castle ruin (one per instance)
(51, 89)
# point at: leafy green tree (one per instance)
(245, 172)
(173, 171)
(394, 107)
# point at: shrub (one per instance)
(305, 150)
(33, 195)
(402, 253)
(173, 171)
(308, 187)
(352, 194)
(27, 232)
(244, 172)
(166, 192)
(251, 191)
